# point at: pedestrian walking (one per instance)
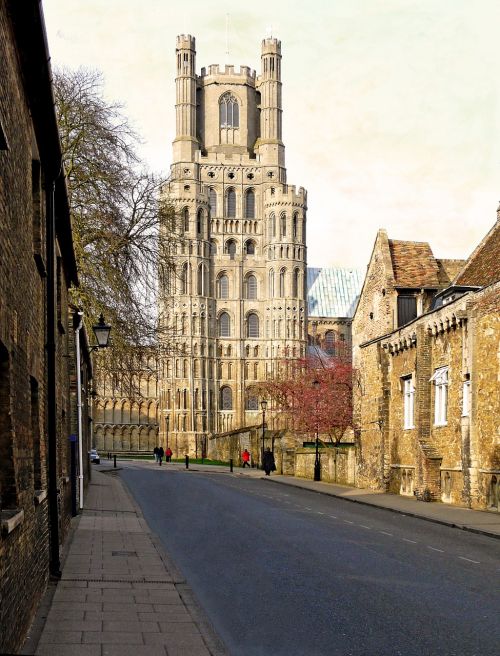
(268, 463)
(168, 454)
(245, 456)
(155, 453)
(161, 453)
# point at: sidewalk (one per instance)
(475, 521)
(119, 593)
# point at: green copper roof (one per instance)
(333, 292)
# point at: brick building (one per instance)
(37, 368)
(426, 338)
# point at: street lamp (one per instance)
(263, 405)
(101, 332)
(167, 425)
(317, 464)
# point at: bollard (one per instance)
(114, 460)
(231, 465)
(187, 461)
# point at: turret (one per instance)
(271, 147)
(185, 143)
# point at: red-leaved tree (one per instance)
(315, 393)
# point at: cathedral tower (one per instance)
(235, 306)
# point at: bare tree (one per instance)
(117, 210)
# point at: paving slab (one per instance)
(119, 588)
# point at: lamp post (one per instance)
(101, 332)
(167, 424)
(317, 463)
(263, 405)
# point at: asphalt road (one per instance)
(284, 571)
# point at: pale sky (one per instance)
(391, 110)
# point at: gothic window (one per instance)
(212, 199)
(250, 247)
(231, 204)
(250, 204)
(283, 225)
(252, 401)
(255, 370)
(282, 283)
(184, 281)
(229, 370)
(226, 398)
(223, 286)
(186, 219)
(252, 325)
(229, 111)
(224, 325)
(272, 226)
(271, 283)
(295, 290)
(199, 222)
(251, 286)
(231, 248)
(330, 342)
(202, 280)
(295, 225)
(213, 247)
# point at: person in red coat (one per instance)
(168, 454)
(245, 456)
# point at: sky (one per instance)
(391, 107)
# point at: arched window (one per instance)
(231, 248)
(199, 222)
(231, 204)
(252, 400)
(329, 343)
(213, 247)
(184, 281)
(271, 283)
(283, 225)
(250, 204)
(295, 289)
(295, 225)
(223, 286)
(282, 283)
(212, 200)
(226, 398)
(250, 247)
(202, 280)
(252, 325)
(229, 111)
(224, 325)
(186, 220)
(271, 227)
(251, 286)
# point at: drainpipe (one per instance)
(79, 318)
(54, 560)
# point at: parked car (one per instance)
(94, 457)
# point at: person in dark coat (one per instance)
(268, 463)
(161, 453)
(155, 453)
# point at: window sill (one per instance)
(39, 497)
(10, 519)
(441, 425)
(408, 427)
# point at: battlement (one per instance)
(288, 194)
(214, 70)
(271, 46)
(185, 41)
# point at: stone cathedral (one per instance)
(234, 306)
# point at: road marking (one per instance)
(407, 540)
(333, 516)
(385, 533)
(469, 560)
(320, 513)
(347, 521)
(363, 526)
(307, 508)
(434, 549)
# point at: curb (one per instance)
(405, 513)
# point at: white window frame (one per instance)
(408, 402)
(440, 380)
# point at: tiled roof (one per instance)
(333, 292)
(483, 266)
(448, 269)
(413, 264)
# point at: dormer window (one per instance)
(229, 111)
